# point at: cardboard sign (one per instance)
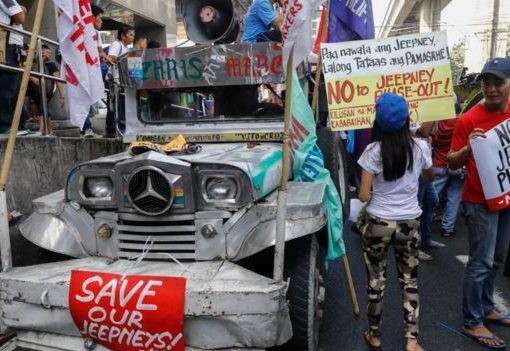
(136, 313)
(492, 156)
(416, 67)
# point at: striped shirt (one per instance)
(8, 8)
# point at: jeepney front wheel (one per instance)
(303, 264)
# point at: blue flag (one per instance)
(352, 20)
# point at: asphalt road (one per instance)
(441, 296)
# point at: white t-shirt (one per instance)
(396, 200)
(117, 48)
(8, 8)
(16, 38)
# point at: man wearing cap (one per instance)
(489, 232)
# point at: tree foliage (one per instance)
(457, 58)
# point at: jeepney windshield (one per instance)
(218, 104)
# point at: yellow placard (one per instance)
(416, 67)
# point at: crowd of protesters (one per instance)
(402, 193)
(14, 54)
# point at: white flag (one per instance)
(80, 58)
(297, 29)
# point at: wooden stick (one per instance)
(350, 283)
(318, 72)
(281, 215)
(9, 150)
(315, 98)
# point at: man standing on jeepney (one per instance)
(489, 231)
(262, 23)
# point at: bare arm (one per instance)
(427, 174)
(278, 21)
(457, 159)
(112, 59)
(19, 18)
(61, 89)
(102, 55)
(425, 129)
(365, 193)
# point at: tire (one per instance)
(335, 160)
(303, 262)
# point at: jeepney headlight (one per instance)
(98, 187)
(92, 186)
(221, 188)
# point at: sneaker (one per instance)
(423, 256)
(436, 244)
(446, 233)
(88, 133)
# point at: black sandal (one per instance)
(366, 337)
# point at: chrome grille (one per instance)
(174, 235)
(150, 191)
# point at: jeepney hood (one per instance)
(260, 161)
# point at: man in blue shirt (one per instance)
(259, 20)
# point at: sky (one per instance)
(379, 8)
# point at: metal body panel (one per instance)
(256, 229)
(237, 235)
(246, 309)
(60, 226)
(53, 342)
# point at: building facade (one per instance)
(154, 19)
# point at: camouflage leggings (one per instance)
(404, 236)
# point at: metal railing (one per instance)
(39, 74)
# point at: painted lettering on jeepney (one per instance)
(261, 65)
(212, 67)
(172, 69)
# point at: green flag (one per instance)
(309, 166)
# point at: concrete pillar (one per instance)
(430, 16)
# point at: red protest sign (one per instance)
(131, 314)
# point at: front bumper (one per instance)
(227, 306)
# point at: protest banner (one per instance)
(130, 314)
(415, 66)
(492, 156)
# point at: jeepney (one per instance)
(206, 213)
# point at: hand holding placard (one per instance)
(492, 154)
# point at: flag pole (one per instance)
(281, 215)
(318, 71)
(5, 242)
(315, 98)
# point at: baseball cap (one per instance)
(499, 66)
(391, 112)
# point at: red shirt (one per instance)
(476, 117)
(441, 142)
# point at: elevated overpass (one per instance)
(411, 16)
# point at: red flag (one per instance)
(322, 23)
(81, 67)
